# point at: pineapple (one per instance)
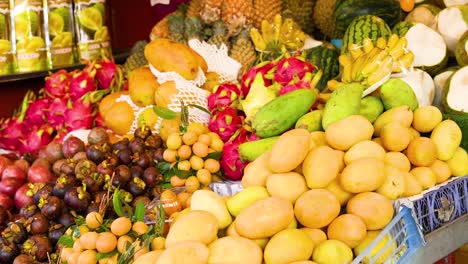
(176, 24)
(243, 51)
(301, 11)
(323, 11)
(193, 28)
(210, 11)
(194, 8)
(265, 10)
(137, 56)
(237, 15)
(219, 34)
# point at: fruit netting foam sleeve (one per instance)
(189, 93)
(217, 60)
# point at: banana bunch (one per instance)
(278, 35)
(371, 63)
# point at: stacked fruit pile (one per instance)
(323, 140)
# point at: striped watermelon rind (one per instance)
(347, 10)
(366, 26)
(325, 57)
(402, 27)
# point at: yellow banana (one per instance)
(277, 22)
(257, 39)
(374, 63)
(358, 64)
(344, 60)
(399, 48)
(384, 69)
(323, 97)
(346, 74)
(392, 40)
(396, 67)
(268, 33)
(367, 45)
(406, 60)
(355, 50)
(381, 43)
(332, 85)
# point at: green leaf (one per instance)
(117, 204)
(164, 112)
(214, 155)
(166, 185)
(100, 255)
(67, 241)
(140, 211)
(80, 220)
(199, 107)
(129, 210)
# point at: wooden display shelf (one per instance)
(119, 59)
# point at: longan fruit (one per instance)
(197, 163)
(184, 165)
(106, 242)
(189, 138)
(158, 243)
(184, 152)
(174, 141)
(122, 243)
(192, 184)
(212, 165)
(204, 177)
(140, 228)
(200, 149)
(170, 155)
(121, 226)
(204, 138)
(88, 240)
(94, 220)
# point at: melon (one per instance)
(422, 84)
(439, 83)
(461, 50)
(366, 26)
(427, 45)
(424, 13)
(454, 102)
(452, 24)
(325, 57)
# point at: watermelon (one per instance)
(452, 23)
(461, 50)
(402, 27)
(426, 44)
(454, 101)
(325, 57)
(366, 26)
(347, 10)
(424, 13)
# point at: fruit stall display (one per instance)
(127, 163)
(42, 35)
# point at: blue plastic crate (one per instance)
(443, 205)
(404, 238)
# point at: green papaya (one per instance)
(395, 92)
(371, 108)
(311, 121)
(281, 113)
(251, 150)
(343, 102)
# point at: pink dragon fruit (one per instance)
(35, 139)
(231, 163)
(56, 113)
(79, 116)
(225, 123)
(82, 82)
(99, 120)
(309, 81)
(36, 113)
(290, 67)
(223, 96)
(247, 79)
(11, 131)
(57, 84)
(106, 71)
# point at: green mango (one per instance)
(343, 102)
(311, 121)
(251, 150)
(395, 92)
(371, 108)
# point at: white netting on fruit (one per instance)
(217, 60)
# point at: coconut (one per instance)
(422, 84)
(452, 25)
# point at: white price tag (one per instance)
(163, 2)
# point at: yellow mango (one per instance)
(257, 171)
(289, 150)
(458, 164)
(316, 174)
(446, 136)
(401, 114)
(169, 56)
(343, 134)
